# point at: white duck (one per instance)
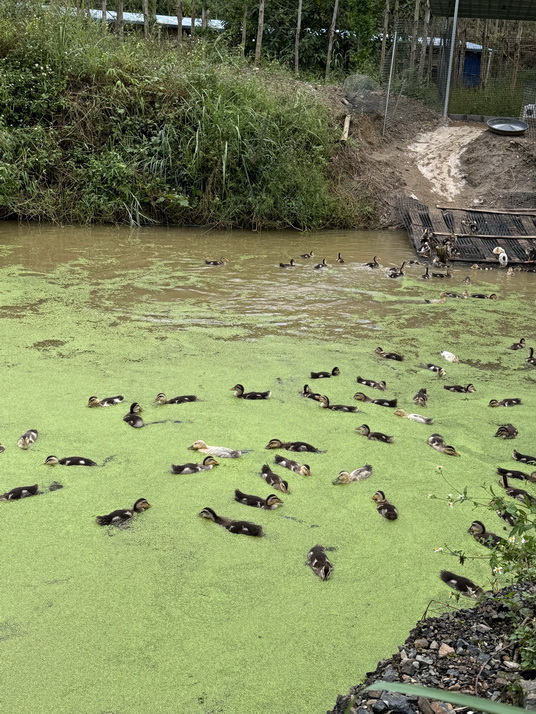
(449, 356)
(414, 417)
(221, 451)
(503, 258)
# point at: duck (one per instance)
(69, 461)
(206, 465)
(290, 264)
(302, 469)
(307, 255)
(241, 527)
(462, 585)
(27, 439)
(435, 368)
(511, 272)
(20, 492)
(321, 265)
(426, 274)
(325, 403)
(105, 402)
(384, 508)
(460, 388)
(518, 345)
(414, 417)
(359, 474)
(364, 429)
(269, 503)
(501, 255)
(388, 355)
(446, 274)
(482, 296)
(518, 493)
(373, 263)
(292, 446)
(221, 261)
(479, 532)
(340, 259)
(272, 479)
(437, 442)
(380, 402)
(222, 451)
(513, 402)
(449, 356)
(120, 516)
(520, 475)
(421, 398)
(134, 419)
(507, 516)
(308, 393)
(463, 296)
(524, 458)
(319, 562)
(531, 359)
(506, 431)
(396, 272)
(184, 399)
(466, 281)
(239, 392)
(382, 386)
(326, 375)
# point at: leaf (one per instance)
(463, 700)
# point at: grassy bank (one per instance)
(97, 130)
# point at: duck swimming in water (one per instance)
(437, 442)
(307, 255)
(325, 375)
(69, 461)
(462, 585)
(421, 398)
(380, 402)
(388, 355)
(294, 466)
(506, 431)
(221, 261)
(240, 527)
(460, 388)
(372, 383)
(239, 392)
(290, 264)
(27, 439)
(291, 446)
(364, 429)
(222, 451)
(426, 274)
(269, 503)
(319, 562)
(513, 402)
(396, 272)
(414, 417)
(479, 532)
(359, 474)
(120, 516)
(321, 265)
(518, 493)
(531, 359)
(340, 259)
(384, 508)
(273, 479)
(325, 403)
(105, 402)
(206, 465)
(520, 475)
(373, 264)
(518, 345)
(162, 399)
(20, 492)
(309, 394)
(524, 458)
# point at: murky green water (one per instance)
(175, 614)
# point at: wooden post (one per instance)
(517, 54)
(386, 11)
(260, 32)
(244, 27)
(119, 18)
(346, 128)
(145, 6)
(331, 36)
(297, 39)
(204, 15)
(179, 21)
(484, 56)
(192, 30)
(104, 18)
(424, 46)
(415, 33)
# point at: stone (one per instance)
(445, 650)
(390, 674)
(424, 706)
(511, 665)
(379, 706)
(434, 645)
(424, 659)
(421, 644)
(407, 667)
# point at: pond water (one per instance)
(175, 614)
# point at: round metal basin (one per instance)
(506, 126)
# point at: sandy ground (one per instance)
(439, 157)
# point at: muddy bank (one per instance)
(468, 651)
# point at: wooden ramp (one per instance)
(511, 229)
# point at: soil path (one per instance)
(439, 157)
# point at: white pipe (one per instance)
(451, 59)
(389, 83)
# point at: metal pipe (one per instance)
(389, 83)
(451, 59)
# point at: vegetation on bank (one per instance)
(94, 129)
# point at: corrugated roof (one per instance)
(136, 18)
(487, 9)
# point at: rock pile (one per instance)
(467, 651)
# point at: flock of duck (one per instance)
(317, 558)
